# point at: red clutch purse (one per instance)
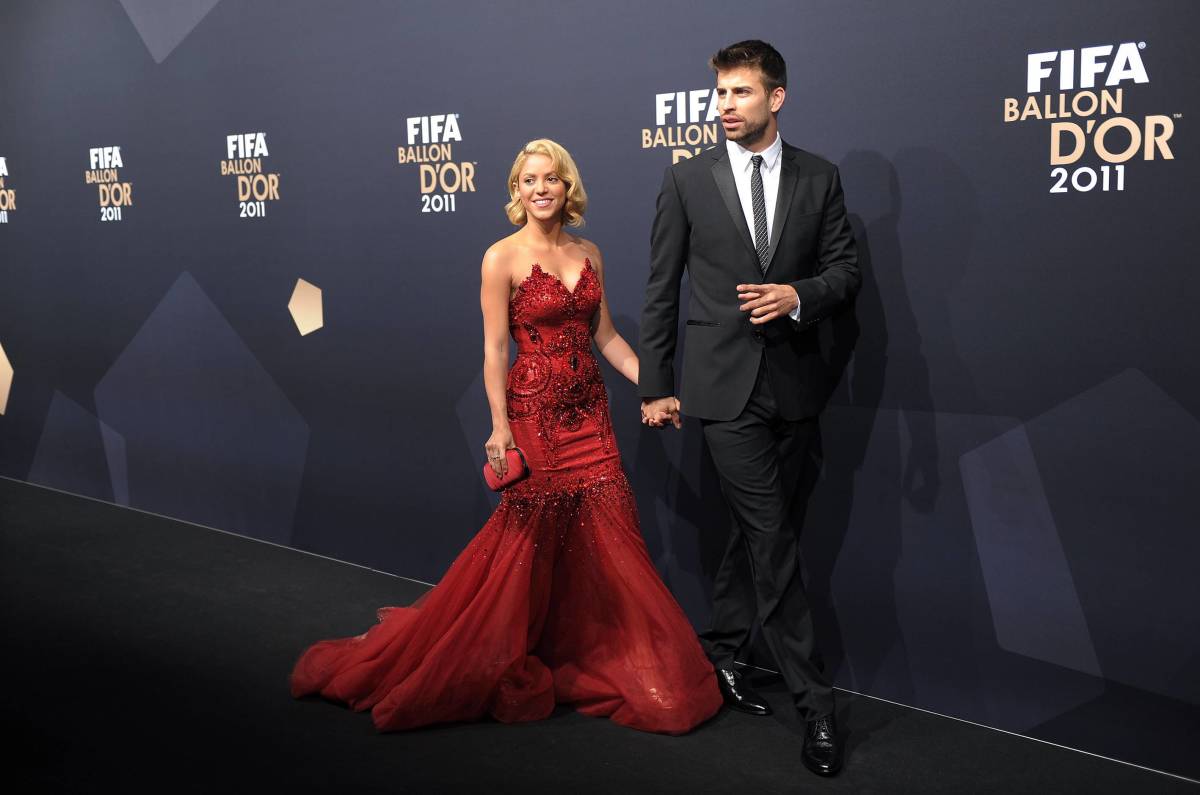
(517, 469)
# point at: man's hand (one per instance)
(657, 413)
(767, 302)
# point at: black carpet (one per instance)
(144, 654)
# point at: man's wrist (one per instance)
(794, 314)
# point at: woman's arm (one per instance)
(495, 285)
(612, 346)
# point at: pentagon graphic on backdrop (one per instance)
(1120, 470)
(164, 25)
(1035, 607)
(210, 437)
(1080, 543)
(118, 466)
(306, 307)
(77, 453)
(6, 379)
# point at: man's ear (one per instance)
(778, 95)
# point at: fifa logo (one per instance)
(684, 122)
(244, 153)
(433, 129)
(431, 146)
(1127, 65)
(1087, 118)
(8, 196)
(115, 195)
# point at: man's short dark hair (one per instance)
(753, 53)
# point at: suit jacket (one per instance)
(699, 225)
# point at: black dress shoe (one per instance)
(822, 752)
(739, 695)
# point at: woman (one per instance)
(556, 598)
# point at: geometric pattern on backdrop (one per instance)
(164, 26)
(208, 433)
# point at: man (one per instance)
(761, 226)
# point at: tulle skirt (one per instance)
(555, 600)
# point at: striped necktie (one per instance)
(762, 242)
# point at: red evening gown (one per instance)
(556, 598)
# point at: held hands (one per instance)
(764, 302)
(657, 413)
(500, 440)
(767, 302)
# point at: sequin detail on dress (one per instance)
(555, 380)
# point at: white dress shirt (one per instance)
(740, 159)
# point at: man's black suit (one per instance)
(757, 389)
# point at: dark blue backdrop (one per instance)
(1005, 530)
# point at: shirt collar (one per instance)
(739, 156)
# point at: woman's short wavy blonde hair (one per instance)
(563, 165)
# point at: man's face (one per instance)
(746, 107)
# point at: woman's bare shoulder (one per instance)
(588, 248)
(500, 255)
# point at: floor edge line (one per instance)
(745, 665)
(995, 729)
(213, 529)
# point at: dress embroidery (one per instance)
(555, 381)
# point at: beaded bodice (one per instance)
(555, 381)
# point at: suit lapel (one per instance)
(789, 175)
(722, 172)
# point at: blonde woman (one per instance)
(556, 599)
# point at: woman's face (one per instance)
(542, 191)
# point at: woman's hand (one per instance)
(500, 441)
(661, 412)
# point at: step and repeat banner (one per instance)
(239, 270)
